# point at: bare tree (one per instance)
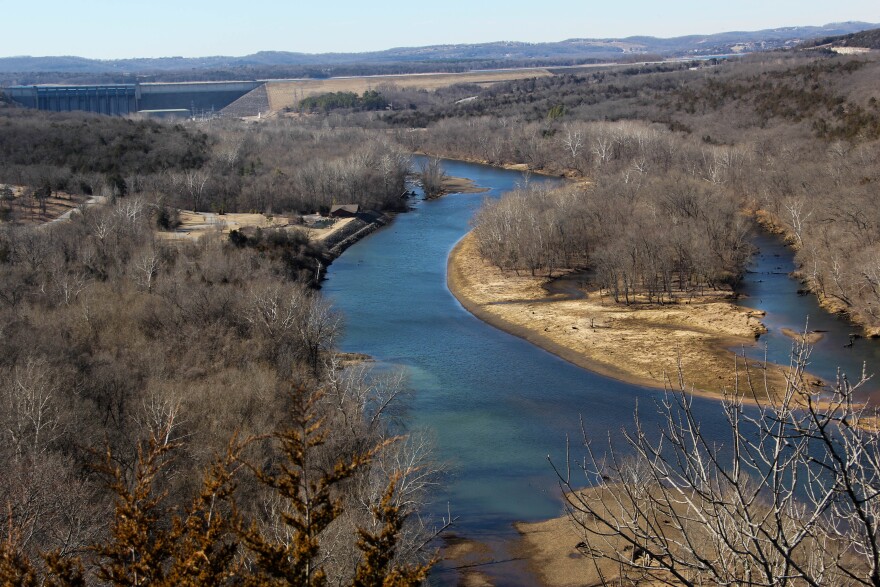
(295, 321)
(194, 182)
(573, 140)
(431, 175)
(792, 498)
(66, 284)
(798, 217)
(147, 267)
(45, 504)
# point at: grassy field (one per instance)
(283, 94)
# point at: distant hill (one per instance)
(867, 39)
(497, 54)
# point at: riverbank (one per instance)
(556, 551)
(832, 305)
(521, 167)
(366, 223)
(566, 551)
(642, 345)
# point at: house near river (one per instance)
(344, 210)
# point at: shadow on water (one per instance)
(496, 405)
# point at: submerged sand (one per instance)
(642, 344)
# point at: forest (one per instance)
(230, 167)
(198, 389)
(789, 139)
(180, 414)
(654, 240)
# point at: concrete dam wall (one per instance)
(126, 99)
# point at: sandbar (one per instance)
(641, 344)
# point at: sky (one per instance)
(112, 29)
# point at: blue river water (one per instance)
(495, 405)
(769, 287)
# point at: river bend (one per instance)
(496, 405)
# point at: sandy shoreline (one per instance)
(562, 551)
(555, 551)
(641, 346)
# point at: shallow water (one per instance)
(496, 405)
(769, 287)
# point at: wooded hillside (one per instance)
(789, 139)
(177, 413)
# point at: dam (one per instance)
(186, 98)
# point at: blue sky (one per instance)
(154, 28)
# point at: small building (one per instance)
(344, 210)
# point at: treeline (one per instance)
(581, 148)
(223, 166)
(825, 206)
(79, 153)
(179, 415)
(292, 167)
(370, 100)
(647, 226)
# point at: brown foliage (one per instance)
(139, 546)
(309, 496)
(379, 568)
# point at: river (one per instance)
(768, 287)
(495, 405)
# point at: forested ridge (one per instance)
(869, 39)
(27, 70)
(829, 93)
